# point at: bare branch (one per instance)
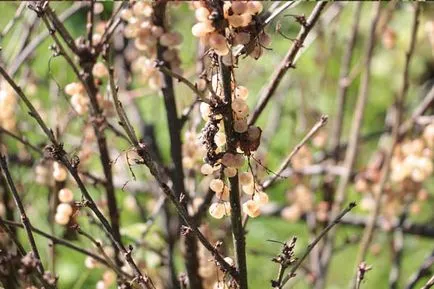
(287, 63)
(319, 124)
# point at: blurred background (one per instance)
(307, 92)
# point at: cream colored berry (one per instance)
(216, 185)
(100, 285)
(261, 198)
(240, 125)
(64, 209)
(246, 178)
(206, 169)
(65, 195)
(202, 28)
(59, 173)
(61, 219)
(90, 263)
(202, 14)
(292, 213)
(223, 195)
(230, 261)
(217, 210)
(251, 208)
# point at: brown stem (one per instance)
(157, 172)
(238, 233)
(56, 151)
(24, 219)
(422, 271)
(317, 239)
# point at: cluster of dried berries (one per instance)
(301, 200)
(79, 99)
(64, 210)
(220, 161)
(147, 38)
(241, 19)
(8, 103)
(411, 166)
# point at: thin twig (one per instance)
(422, 271)
(309, 248)
(287, 63)
(353, 142)
(320, 123)
(24, 219)
(21, 140)
(156, 171)
(429, 283)
(370, 229)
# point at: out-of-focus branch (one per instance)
(287, 63)
(322, 122)
(422, 271)
(21, 140)
(24, 219)
(419, 111)
(370, 229)
(352, 148)
(31, 47)
(343, 86)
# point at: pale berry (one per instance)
(206, 169)
(64, 209)
(65, 195)
(261, 198)
(61, 219)
(251, 208)
(246, 178)
(216, 185)
(217, 210)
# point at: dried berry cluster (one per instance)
(147, 37)
(411, 166)
(241, 19)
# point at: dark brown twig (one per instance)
(309, 248)
(24, 219)
(238, 235)
(287, 63)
